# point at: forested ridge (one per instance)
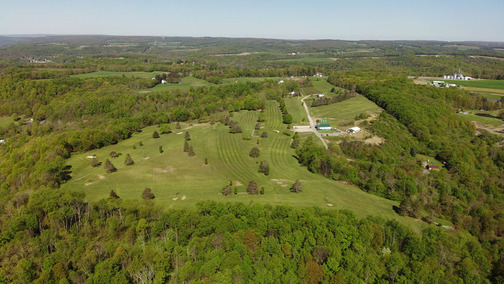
(48, 235)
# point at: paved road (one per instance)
(312, 123)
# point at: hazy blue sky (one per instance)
(352, 19)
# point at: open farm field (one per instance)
(179, 181)
(110, 73)
(185, 84)
(248, 79)
(343, 113)
(481, 84)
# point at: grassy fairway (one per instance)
(344, 112)
(179, 181)
(297, 111)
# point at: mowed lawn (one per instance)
(179, 181)
(297, 110)
(5, 121)
(343, 113)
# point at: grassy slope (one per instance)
(184, 84)
(173, 174)
(297, 111)
(343, 113)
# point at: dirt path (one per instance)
(312, 123)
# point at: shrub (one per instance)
(114, 154)
(264, 134)
(254, 152)
(95, 163)
(128, 161)
(109, 167)
(113, 195)
(226, 190)
(296, 187)
(147, 194)
(155, 134)
(252, 188)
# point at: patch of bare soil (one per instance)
(490, 128)
(334, 59)
(376, 140)
(101, 177)
(168, 169)
(237, 183)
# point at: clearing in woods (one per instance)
(173, 174)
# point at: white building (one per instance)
(353, 130)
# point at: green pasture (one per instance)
(484, 84)
(185, 84)
(110, 73)
(343, 113)
(179, 181)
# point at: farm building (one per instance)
(353, 130)
(432, 168)
(320, 95)
(323, 127)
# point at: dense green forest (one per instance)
(47, 114)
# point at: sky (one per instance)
(446, 20)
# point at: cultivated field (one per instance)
(180, 181)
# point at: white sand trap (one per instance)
(146, 158)
(283, 185)
(183, 197)
(180, 133)
(237, 183)
(174, 198)
(330, 204)
(88, 183)
(101, 177)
